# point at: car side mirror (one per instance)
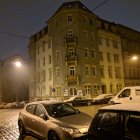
(44, 116)
(77, 110)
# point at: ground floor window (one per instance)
(73, 91)
(88, 90)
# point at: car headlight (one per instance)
(71, 130)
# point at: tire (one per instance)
(88, 103)
(22, 130)
(53, 136)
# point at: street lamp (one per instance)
(134, 57)
(17, 65)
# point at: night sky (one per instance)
(19, 19)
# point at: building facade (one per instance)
(111, 63)
(130, 40)
(77, 53)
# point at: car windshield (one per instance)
(60, 110)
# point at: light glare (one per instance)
(17, 64)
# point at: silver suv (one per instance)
(53, 120)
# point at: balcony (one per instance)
(72, 79)
(70, 39)
(71, 60)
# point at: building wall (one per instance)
(130, 40)
(111, 62)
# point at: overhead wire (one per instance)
(25, 37)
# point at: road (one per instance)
(9, 126)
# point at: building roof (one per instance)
(72, 5)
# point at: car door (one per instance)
(132, 126)
(28, 115)
(124, 96)
(108, 127)
(40, 124)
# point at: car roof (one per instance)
(45, 102)
(123, 107)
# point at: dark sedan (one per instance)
(79, 101)
(102, 98)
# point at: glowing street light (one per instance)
(134, 57)
(18, 64)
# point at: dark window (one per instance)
(39, 110)
(133, 127)
(31, 108)
(125, 93)
(109, 122)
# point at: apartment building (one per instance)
(65, 54)
(130, 41)
(111, 63)
(77, 53)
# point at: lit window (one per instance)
(87, 90)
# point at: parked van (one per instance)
(127, 95)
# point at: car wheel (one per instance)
(22, 130)
(53, 136)
(88, 103)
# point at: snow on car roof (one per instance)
(45, 102)
(123, 107)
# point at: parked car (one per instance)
(79, 100)
(53, 120)
(127, 95)
(116, 122)
(102, 98)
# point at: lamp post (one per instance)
(17, 65)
